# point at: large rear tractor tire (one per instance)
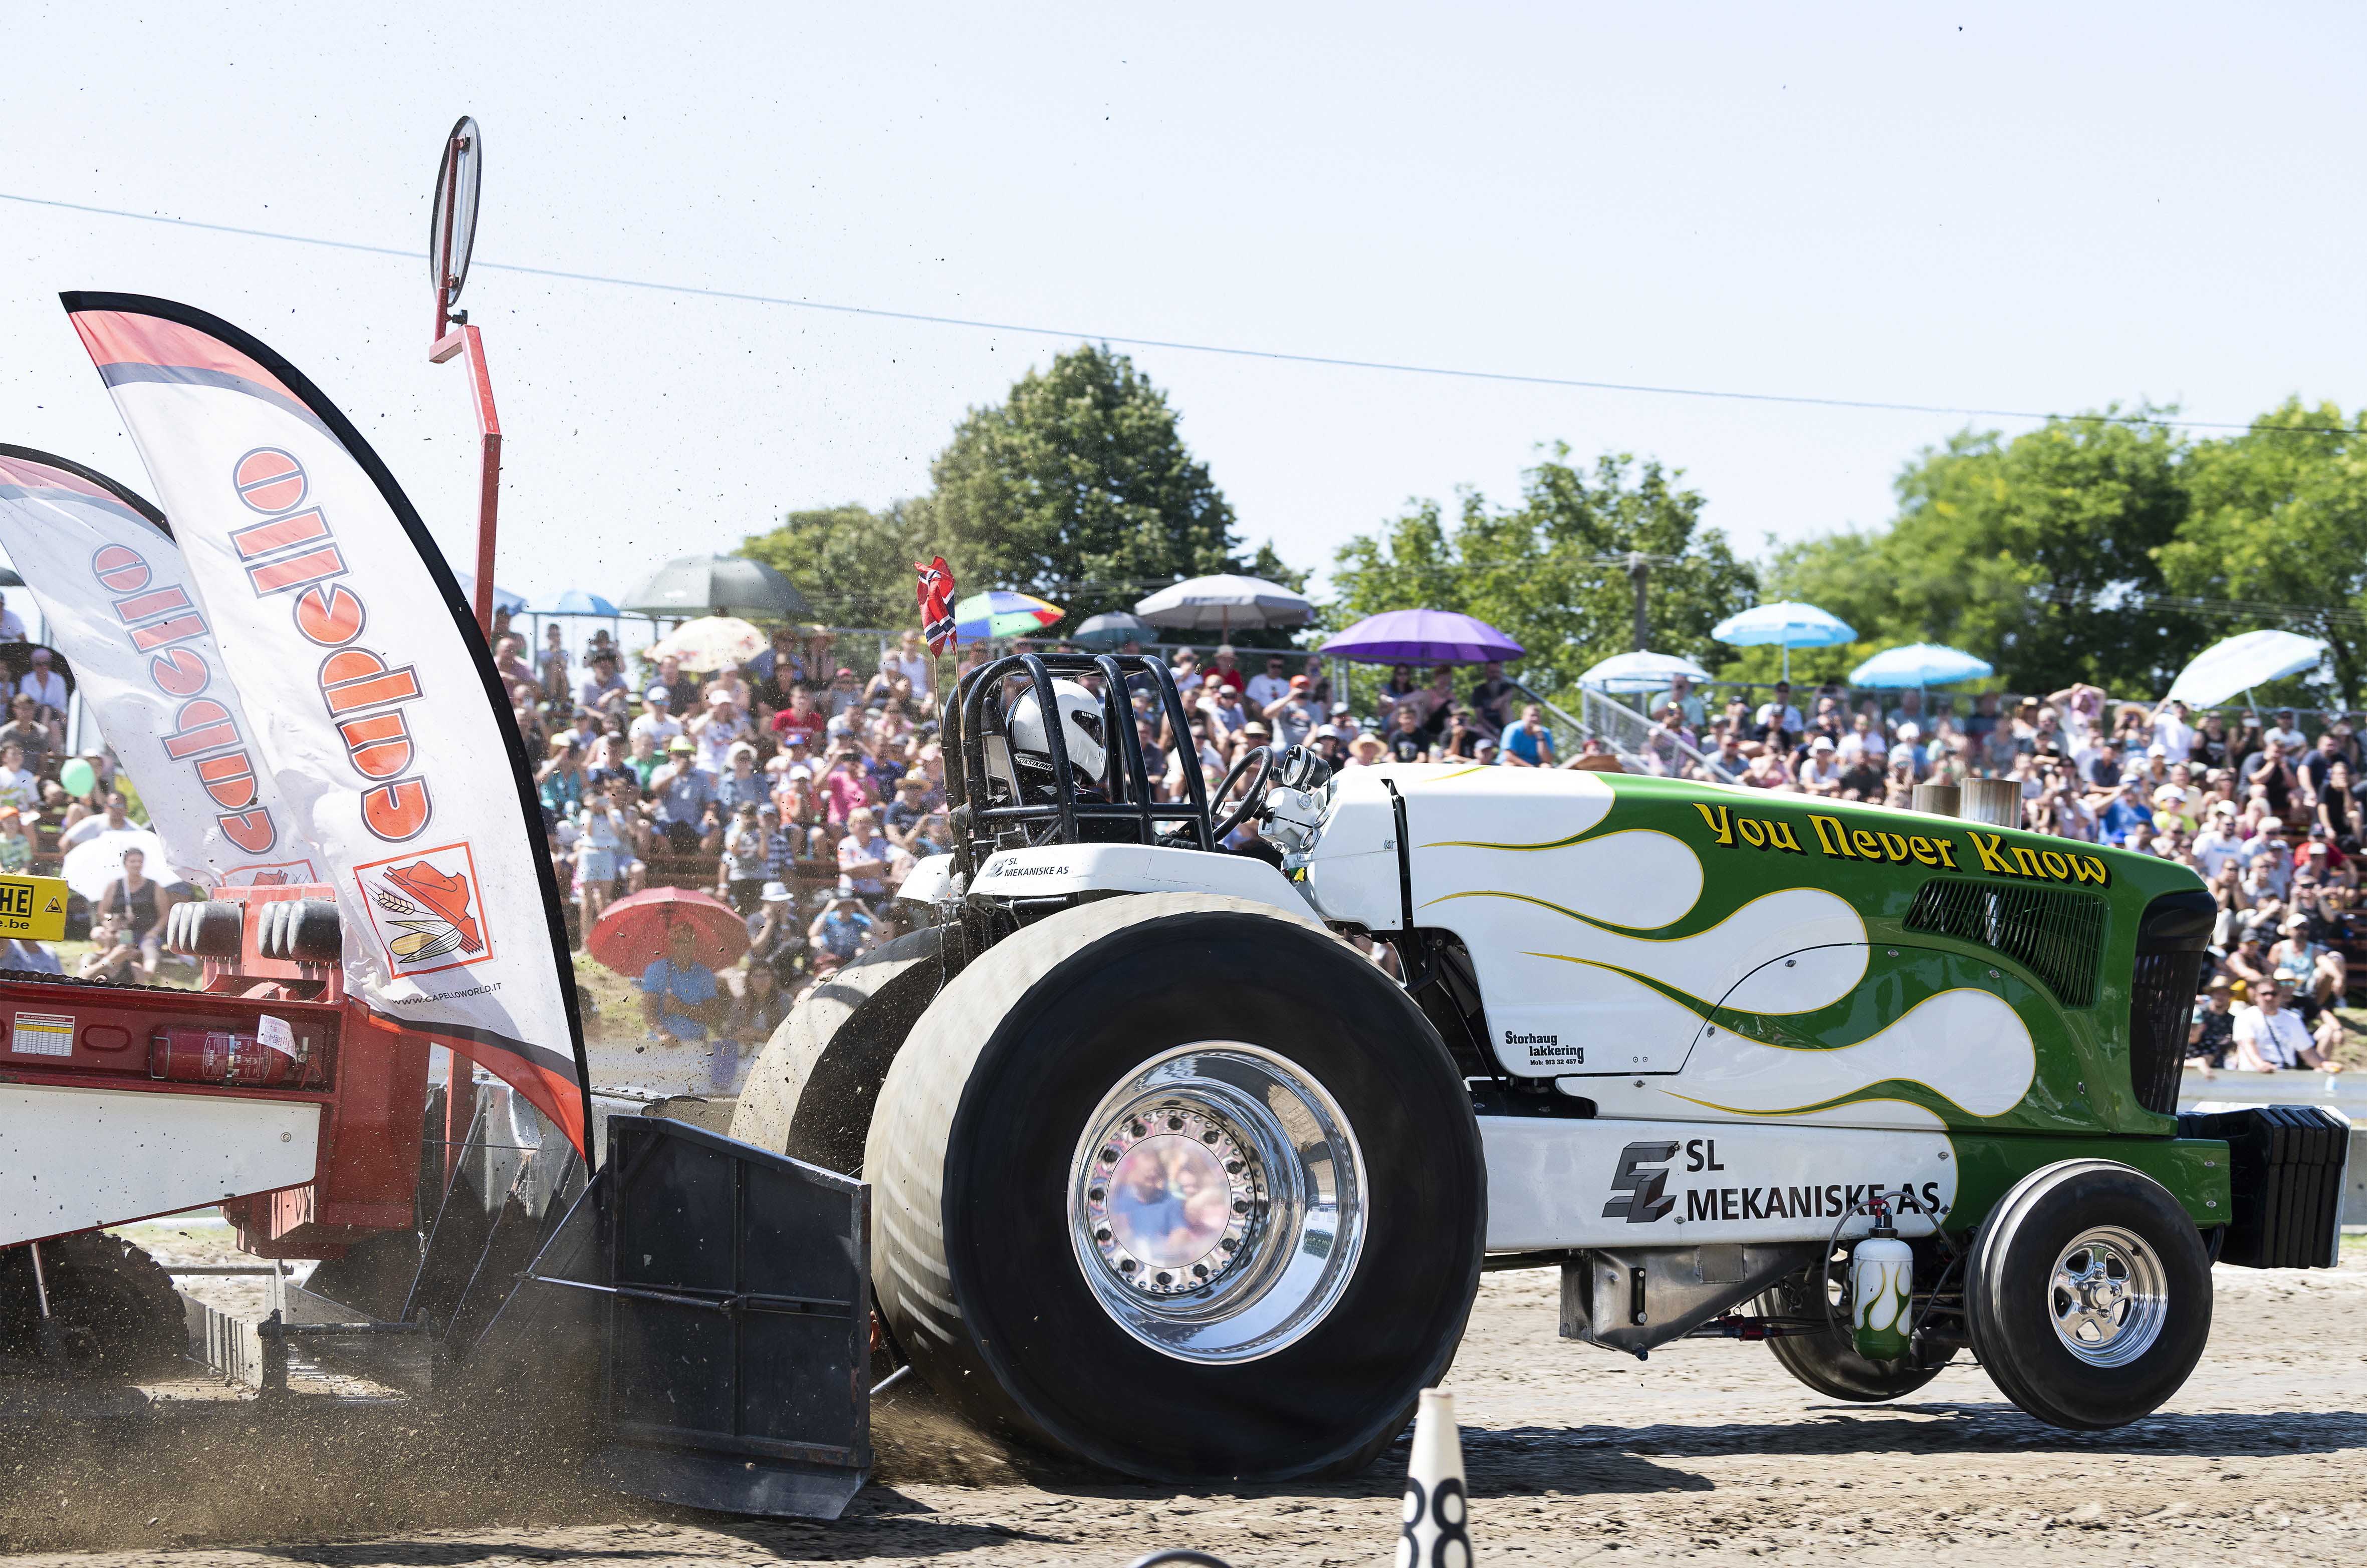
(116, 1309)
(1181, 1185)
(810, 1092)
(2088, 1295)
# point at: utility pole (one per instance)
(1639, 573)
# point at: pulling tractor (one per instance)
(1168, 1172)
(1178, 1133)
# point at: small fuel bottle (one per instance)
(1882, 1282)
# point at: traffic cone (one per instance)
(1437, 1512)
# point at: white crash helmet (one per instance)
(1081, 728)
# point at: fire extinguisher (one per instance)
(218, 1056)
(1882, 1282)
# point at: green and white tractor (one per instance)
(1168, 1172)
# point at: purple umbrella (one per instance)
(1421, 637)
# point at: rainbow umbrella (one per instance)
(1000, 612)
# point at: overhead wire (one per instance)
(1234, 351)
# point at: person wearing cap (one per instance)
(686, 808)
(16, 838)
(560, 783)
(1343, 721)
(656, 718)
(1292, 715)
(2268, 863)
(2125, 809)
(1908, 750)
(1779, 713)
(1820, 773)
(603, 688)
(776, 665)
(2312, 974)
(841, 931)
(740, 784)
(775, 937)
(1328, 744)
(905, 809)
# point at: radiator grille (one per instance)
(2170, 957)
(2161, 1010)
(2055, 935)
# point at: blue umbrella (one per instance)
(503, 598)
(1787, 624)
(1919, 664)
(579, 601)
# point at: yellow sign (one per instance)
(33, 908)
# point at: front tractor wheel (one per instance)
(2089, 1296)
(1183, 1185)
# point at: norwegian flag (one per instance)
(936, 594)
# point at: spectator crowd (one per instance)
(805, 786)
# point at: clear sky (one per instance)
(2028, 208)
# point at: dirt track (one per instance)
(1709, 1453)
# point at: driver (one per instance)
(1082, 728)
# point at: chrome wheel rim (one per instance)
(2108, 1296)
(1217, 1202)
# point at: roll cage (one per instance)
(990, 812)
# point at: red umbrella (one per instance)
(630, 934)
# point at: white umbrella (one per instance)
(1641, 671)
(1224, 601)
(2240, 663)
(93, 865)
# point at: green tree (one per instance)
(2278, 519)
(853, 564)
(1549, 571)
(2038, 554)
(1078, 488)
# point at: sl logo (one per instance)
(1645, 1199)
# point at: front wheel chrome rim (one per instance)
(2108, 1296)
(1217, 1202)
